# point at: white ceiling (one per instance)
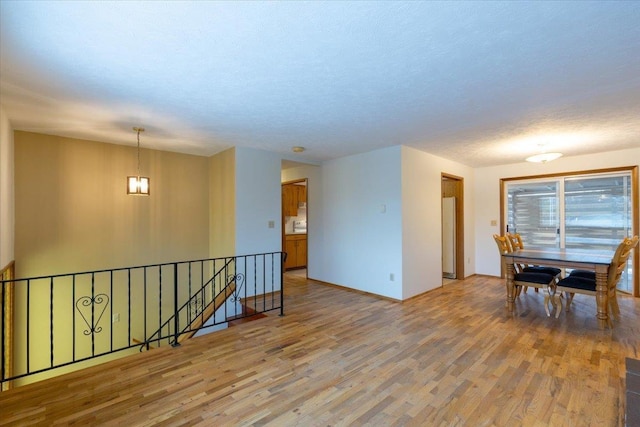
(479, 83)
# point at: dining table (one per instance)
(597, 260)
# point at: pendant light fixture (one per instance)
(138, 185)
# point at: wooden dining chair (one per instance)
(579, 284)
(515, 241)
(521, 279)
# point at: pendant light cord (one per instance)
(138, 130)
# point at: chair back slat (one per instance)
(515, 240)
(619, 260)
(503, 244)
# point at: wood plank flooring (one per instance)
(450, 357)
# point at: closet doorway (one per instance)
(452, 227)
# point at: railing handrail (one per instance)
(106, 270)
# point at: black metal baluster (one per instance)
(281, 285)
(176, 315)
(264, 281)
(203, 292)
(4, 303)
(73, 317)
(28, 325)
(111, 317)
(51, 322)
(93, 314)
(223, 288)
(273, 282)
(129, 307)
(146, 338)
(235, 268)
(189, 298)
(160, 305)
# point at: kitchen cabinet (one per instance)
(301, 193)
(296, 249)
(288, 196)
(292, 196)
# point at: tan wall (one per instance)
(6, 191)
(222, 203)
(73, 213)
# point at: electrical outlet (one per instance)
(392, 277)
(116, 318)
(494, 223)
(272, 224)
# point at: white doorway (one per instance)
(452, 228)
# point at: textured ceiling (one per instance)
(479, 83)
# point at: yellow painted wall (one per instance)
(6, 191)
(73, 213)
(222, 201)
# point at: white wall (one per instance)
(258, 201)
(258, 196)
(487, 194)
(360, 245)
(7, 202)
(422, 219)
(315, 228)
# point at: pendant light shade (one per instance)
(138, 185)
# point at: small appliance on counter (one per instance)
(300, 226)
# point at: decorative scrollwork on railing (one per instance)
(86, 304)
(239, 279)
(195, 307)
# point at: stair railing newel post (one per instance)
(176, 312)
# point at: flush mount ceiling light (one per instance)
(543, 157)
(297, 149)
(138, 185)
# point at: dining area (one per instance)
(561, 273)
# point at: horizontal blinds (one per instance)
(533, 213)
(597, 211)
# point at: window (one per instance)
(586, 211)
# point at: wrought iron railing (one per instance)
(195, 307)
(65, 319)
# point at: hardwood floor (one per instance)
(449, 357)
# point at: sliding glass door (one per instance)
(587, 211)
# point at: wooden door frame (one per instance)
(459, 195)
(283, 241)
